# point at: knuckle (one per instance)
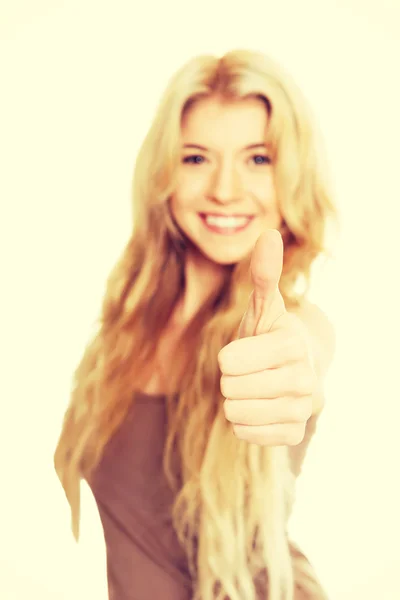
(296, 435)
(304, 381)
(311, 381)
(298, 382)
(302, 410)
(308, 408)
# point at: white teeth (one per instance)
(226, 221)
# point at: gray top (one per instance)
(145, 560)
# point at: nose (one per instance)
(225, 187)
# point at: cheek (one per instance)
(264, 193)
(263, 189)
(183, 202)
(190, 187)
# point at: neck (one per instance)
(202, 278)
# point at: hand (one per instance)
(267, 375)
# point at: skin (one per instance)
(271, 376)
(225, 178)
(268, 377)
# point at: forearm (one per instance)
(298, 453)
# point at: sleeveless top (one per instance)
(145, 560)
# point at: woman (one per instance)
(193, 405)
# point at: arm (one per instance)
(322, 346)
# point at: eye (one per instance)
(260, 159)
(195, 159)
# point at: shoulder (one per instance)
(322, 334)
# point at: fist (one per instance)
(268, 378)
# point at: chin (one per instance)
(224, 258)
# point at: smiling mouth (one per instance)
(225, 224)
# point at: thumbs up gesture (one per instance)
(268, 378)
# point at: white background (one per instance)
(79, 84)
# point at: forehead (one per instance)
(217, 123)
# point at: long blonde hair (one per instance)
(233, 499)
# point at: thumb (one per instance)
(266, 304)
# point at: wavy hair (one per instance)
(233, 499)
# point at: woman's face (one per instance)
(225, 195)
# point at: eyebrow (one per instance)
(204, 149)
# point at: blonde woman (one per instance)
(195, 401)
